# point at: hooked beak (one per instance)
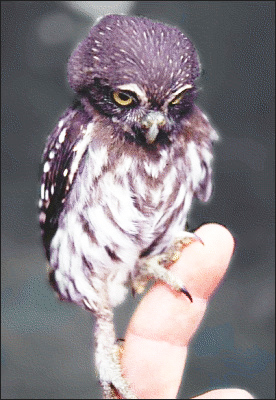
(151, 123)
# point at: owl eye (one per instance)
(187, 96)
(122, 98)
(177, 99)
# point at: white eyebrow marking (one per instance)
(185, 87)
(135, 88)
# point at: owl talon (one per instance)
(157, 266)
(185, 291)
(197, 238)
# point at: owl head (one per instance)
(139, 73)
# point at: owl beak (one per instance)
(151, 123)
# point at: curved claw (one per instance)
(197, 238)
(185, 291)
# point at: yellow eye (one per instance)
(177, 99)
(122, 98)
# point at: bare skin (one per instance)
(158, 336)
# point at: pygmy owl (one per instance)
(120, 171)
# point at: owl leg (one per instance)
(107, 355)
(156, 267)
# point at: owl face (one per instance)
(138, 73)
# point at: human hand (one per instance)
(158, 335)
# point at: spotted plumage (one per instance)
(122, 166)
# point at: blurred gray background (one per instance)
(47, 345)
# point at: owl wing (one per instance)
(204, 135)
(62, 158)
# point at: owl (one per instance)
(120, 171)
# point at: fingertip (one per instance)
(216, 233)
(230, 393)
(203, 267)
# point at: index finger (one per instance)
(159, 332)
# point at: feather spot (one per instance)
(51, 155)
(62, 136)
(42, 191)
(42, 218)
(112, 254)
(46, 195)
(65, 172)
(46, 167)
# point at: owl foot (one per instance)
(182, 240)
(116, 387)
(156, 267)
